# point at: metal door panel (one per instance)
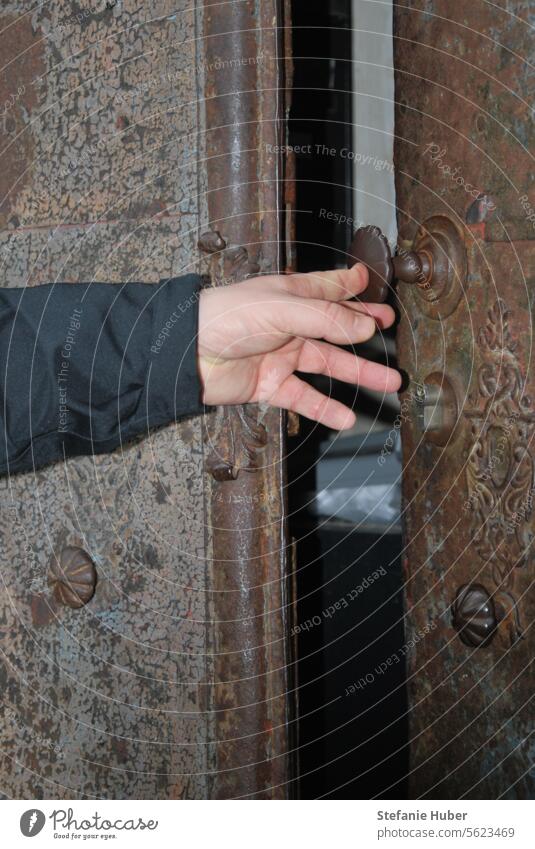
(461, 133)
(171, 681)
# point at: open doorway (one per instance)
(345, 490)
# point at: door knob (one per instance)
(436, 268)
(371, 247)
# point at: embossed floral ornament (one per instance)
(500, 470)
(245, 437)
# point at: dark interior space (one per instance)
(352, 726)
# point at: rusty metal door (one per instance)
(464, 79)
(143, 593)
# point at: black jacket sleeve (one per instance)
(85, 367)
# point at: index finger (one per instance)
(337, 285)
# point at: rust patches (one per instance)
(246, 440)
(23, 63)
(239, 265)
(478, 231)
(293, 424)
(467, 505)
(122, 123)
(480, 210)
(249, 568)
(119, 747)
(211, 242)
(84, 671)
(44, 609)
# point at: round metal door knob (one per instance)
(74, 578)
(436, 268)
(475, 615)
(371, 247)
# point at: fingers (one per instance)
(321, 358)
(296, 395)
(312, 319)
(382, 313)
(337, 285)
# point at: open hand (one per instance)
(254, 335)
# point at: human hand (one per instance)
(254, 335)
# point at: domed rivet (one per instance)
(74, 578)
(474, 615)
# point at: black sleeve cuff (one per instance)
(173, 387)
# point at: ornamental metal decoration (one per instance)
(500, 470)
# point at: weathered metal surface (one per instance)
(148, 691)
(463, 125)
(244, 445)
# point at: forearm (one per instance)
(86, 367)
(89, 366)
